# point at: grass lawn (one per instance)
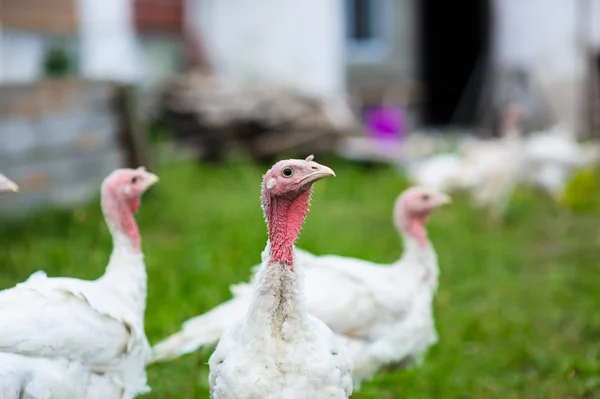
(517, 310)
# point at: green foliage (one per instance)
(57, 63)
(583, 190)
(517, 309)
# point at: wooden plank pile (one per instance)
(265, 121)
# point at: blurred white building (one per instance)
(288, 41)
(548, 38)
(432, 56)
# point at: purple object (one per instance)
(386, 122)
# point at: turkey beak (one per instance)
(444, 199)
(151, 179)
(7, 185)
(317, 173)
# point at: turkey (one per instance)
(495, 168)
(444, 172)
(383, 312)
(7, 185)
(71, 338)
(488, 169)
(553, 155)
(277, 350)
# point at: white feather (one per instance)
(65, 338)
(277, 350)
(87, 334)
(382, 312)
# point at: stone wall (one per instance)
(58, 140)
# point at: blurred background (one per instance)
(495, 101)
(368, 80)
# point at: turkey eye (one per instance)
(288, 172)
(425, 197)
(134, 180)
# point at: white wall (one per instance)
(544, 37)
(595, 21)
(108, 47)
(161, 57)
(21, 56)
(289, 41)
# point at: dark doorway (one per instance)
(454, 44)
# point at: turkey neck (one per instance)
(118, 214)
(277, 298)
(285, 216)
(418, 250)
(126, 271)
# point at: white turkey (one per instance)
(444, 172)
(7, 185)
(78, 339)
(488, 169)
(553, 155)
(494, 168)
(277, 350)
(383, 312)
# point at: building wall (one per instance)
(43, 16)
(389, 71)
(58, 141)
(543, 37)
(161, 57)
(100, 35)
(108, 45)
(286, 41)
(539, 36)
(396, 60)
(27, 31)
(159, 25)
(21, 55)
(158, 16)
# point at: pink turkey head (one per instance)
(7, 185)
(293, 176)
(413, 208)
(121, 192)
(286, 192)
(128, 185)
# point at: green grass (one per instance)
(517, 310)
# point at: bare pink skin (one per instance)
(413, 208)
(285, 201)
(121, 193)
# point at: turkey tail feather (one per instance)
(200, 331)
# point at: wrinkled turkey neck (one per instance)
(414, 227)
(285, 216)
(121, 222)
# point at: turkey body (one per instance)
(382, 313)
(66, 338)
(69, 338)
(298, 358)
(275, 349)
(553, 156)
